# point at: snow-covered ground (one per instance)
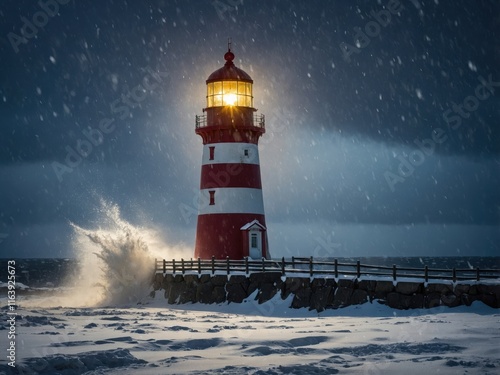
(247, 338)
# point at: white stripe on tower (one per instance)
(228, 152)
(231, 201)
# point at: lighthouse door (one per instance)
(255, 245)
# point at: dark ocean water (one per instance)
(38, 273)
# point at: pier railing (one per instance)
(312, 267)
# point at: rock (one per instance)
(191, 280)
(187, 294)
(157, 281)
(398, 301)
(383, 288)
(417, 301)
(461, 289)
(235, 293)
(473, 290)
(345, 283)
(488, 299)
(219, 280)
(302, 298)
(252, 287)
(178, 278)
(219, 294)
(266, 292)
(204, 292)
(408, 288)
(237, 279)
(265, 278)
(468, 299)
(176, 289)
(359, 296)
(320, 297)
(318, 283)
(167, 280)
(489, 289)
(438, 288)
(450, 300)
(368, 285)
(342, 297)
(293, 284)
(432, 300)
(205, 278)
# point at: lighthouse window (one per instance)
(229, 93)
(246, 152)
(212, 151)
(212, 197)
(254, 240)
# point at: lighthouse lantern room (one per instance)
(231, 221)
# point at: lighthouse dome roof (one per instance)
(229, 72)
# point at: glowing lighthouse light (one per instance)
(230, 99)
(231, 221)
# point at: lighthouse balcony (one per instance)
(258, 121)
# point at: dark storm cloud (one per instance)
(86, 65)
(393, 90)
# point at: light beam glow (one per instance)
(230, 99)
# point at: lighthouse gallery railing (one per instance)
(258, 121)
(313, 267)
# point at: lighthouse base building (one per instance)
(231, 221)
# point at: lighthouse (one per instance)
(231, 221)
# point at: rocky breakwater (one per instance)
(320, 293)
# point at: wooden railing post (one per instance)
(173, 266)
(454, 274)
(164, 266)
(246, 265)
(426, 273)
(311, 266)
(283, 266)
(394, 272)
(182, 266)
(213, 265)
(263, 265)
(358, 269)
(199, 266)
(336, 268)
(293, 262)
(227, 265)
(477, 274)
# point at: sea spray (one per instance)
(123, 266)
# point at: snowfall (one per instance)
(156, 338)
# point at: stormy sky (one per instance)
(382, 120)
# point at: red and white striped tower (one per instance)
(231, 221)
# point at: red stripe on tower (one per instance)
(231, 221)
